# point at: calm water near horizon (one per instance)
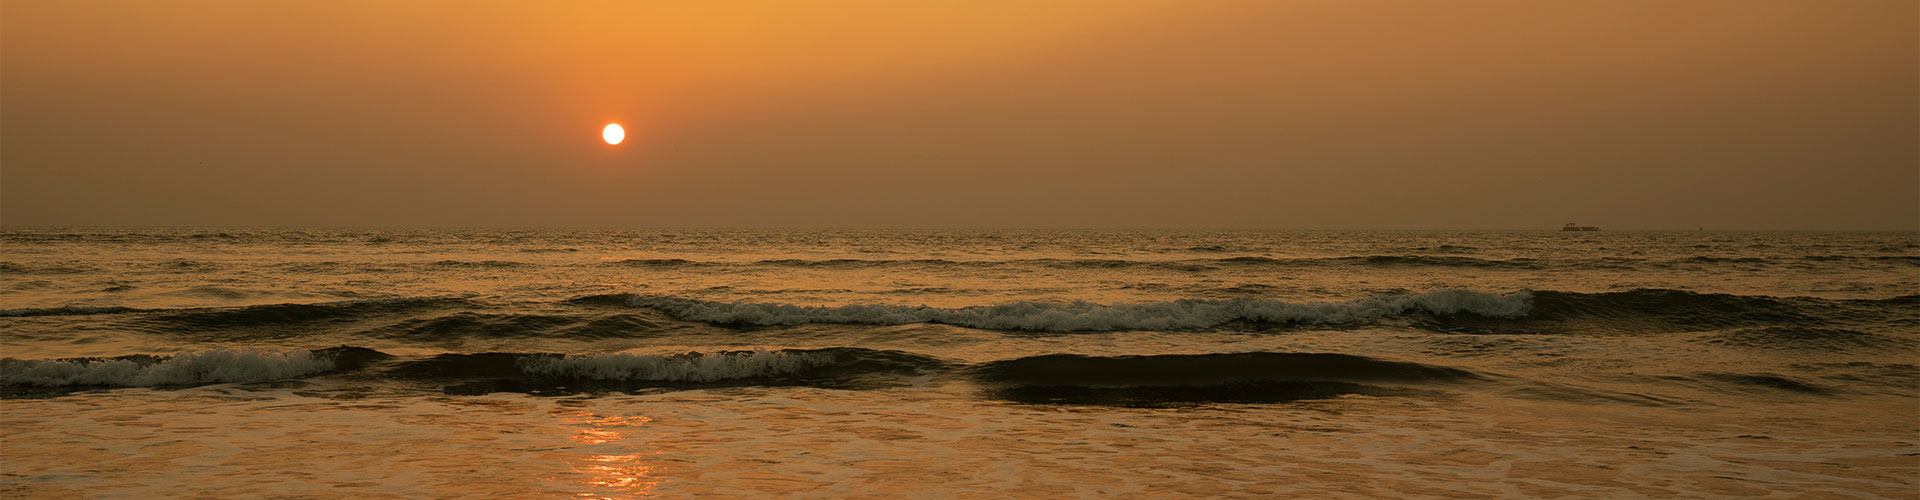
(396, 363)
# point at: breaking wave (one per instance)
(196, 368)
(554, 373)
(1052, 378)
(1636, 311)
(1240, 306)
(682, 368)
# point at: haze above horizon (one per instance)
(998, 114)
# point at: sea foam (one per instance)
(1089, 316)
(694, 367)
(205, 367)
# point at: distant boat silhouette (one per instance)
(1576, 227)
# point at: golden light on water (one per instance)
(629, 474)
(613, 134)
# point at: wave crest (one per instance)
(64, 311)
(692, 367)
(1161, 380)
(205, 367)
(1088, 316)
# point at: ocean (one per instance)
(484, 363)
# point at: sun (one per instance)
(613, 133)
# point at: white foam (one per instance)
(206, 367)
(1088, 316)
(681, 368)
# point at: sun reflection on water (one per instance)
(629, 474)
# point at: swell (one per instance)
(470, 325)
(1128, 380)
(65, 311)
(1163, 380)
(1684, 310)
(520, 372)
(1463, 311)
(9, 267)
(1053, 378)
(1208, 369)
(1087, 316)
(1670, 311)
(297, 313)
(514, 369)
(197, 368)
(1058, 263)
(1802, 338)
(1202, 264)
(1846, 323)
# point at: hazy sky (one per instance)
(1206, 114)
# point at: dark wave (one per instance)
(1139, 380)
(1636, 311)
(468, 373)
(1208, 369)
(604, 299)
(1707, 259)
(801, 263)
(228, 293)
(1060, 378)
(483, 373)
(464, 324)
(1740, 320)
(1256, 377)
(1251, 261)
(1082, 316)
(1206, 264)
(187, 369)
(65, 311)
(1713, 309)
(1242, 290)
(1189, 265)
(1444, 261)
(1801, 338)
(1662, 311)
(658, 263)
(297, 313)
(866, 263)
(185, 266)
(70, 268)
(482, 264)
(471, 325)
(1760, 382)
(318, 267)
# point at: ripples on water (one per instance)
(919, 343)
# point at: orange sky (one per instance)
(1207, 114)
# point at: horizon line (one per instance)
(6, 226)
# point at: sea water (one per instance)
(379, 363)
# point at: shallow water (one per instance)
(591, 363)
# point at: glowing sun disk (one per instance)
(613, 133)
